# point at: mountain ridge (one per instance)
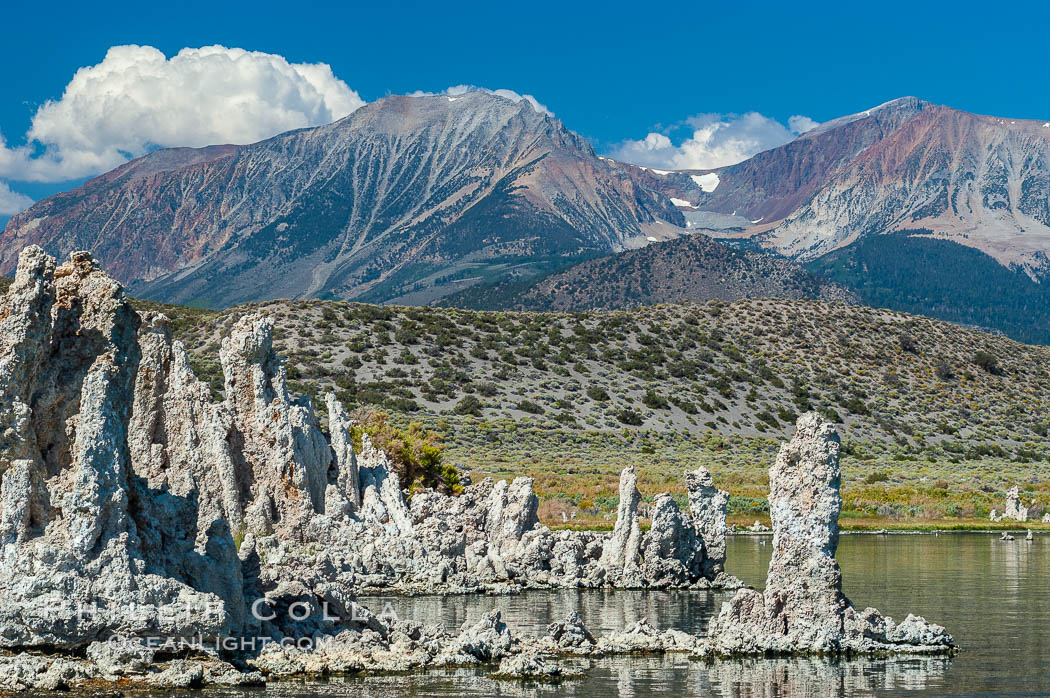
(691, 268)
(403, 189)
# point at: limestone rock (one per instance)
(803, 609)
(641, 638)
(134, 506)
(381, 499)
(672, 554)
(511, 513)
(120, 656)
(534, 666)
(185, 478)
(78, 564)
(707, 505)
(485, 641)
(345, 491)
(571, 635)
(1014, 508)
(281, 444)
(620, 554)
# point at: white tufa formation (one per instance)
(125, 490)
(803, 609)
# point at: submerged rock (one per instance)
(803, 609)
(642, 637)
(485, 641)
(532, 665)
(570, 635)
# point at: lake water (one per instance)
(993, 597)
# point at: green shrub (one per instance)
(987, 361)
(414, 451)
(653, 400)
(468, 405)
(629, 417)
(529, 406)
(597, 393)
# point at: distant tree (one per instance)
(987, 361)
(468, 405)
(908, 344)
(629, 417)
(598, 394)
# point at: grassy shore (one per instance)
(577, 477)
(846, 524)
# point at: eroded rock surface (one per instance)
(83, 553)
(803, 609)
(135, 509)
(707, 504)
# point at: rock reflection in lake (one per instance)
(788, 678)
(636, 677)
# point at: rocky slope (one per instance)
(689, 268)
(746, 367)
(408, 197)
(940, 420)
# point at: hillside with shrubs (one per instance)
(937, 419)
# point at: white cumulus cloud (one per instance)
(11, 202)
(716, 140)
(801, 124)
(137, 99)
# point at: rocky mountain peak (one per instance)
(405, 198)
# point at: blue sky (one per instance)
(611, 71)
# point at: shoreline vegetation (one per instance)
(846, 527)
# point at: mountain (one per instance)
(976, 188)
(689, 268)
(918, 274)
(907, 165)
(408, 199)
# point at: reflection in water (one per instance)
(635, 677)
(766, 678)
(529, 613)
(992, 596)
(1012, 556)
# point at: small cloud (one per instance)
(137, 100)
(716, 140)
(800, 124)
(11, 202)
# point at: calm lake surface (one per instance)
(993, 597)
